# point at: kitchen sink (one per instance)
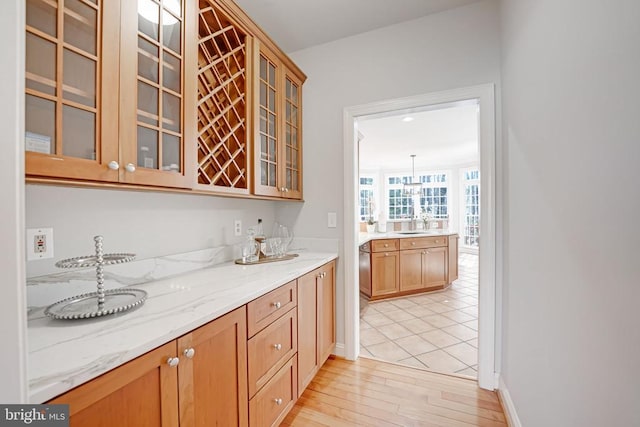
(419, 232)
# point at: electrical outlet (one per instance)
(332, 220)
(237, 227)
(39, 243)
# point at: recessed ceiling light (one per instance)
(407, 119)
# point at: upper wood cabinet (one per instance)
(104, 91)
(71, 113)
(224, 65)
(161, 93)
(278, 134)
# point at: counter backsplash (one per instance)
(45, 290)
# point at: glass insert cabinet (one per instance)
(160, 93)
(279, 133)
(104, 91)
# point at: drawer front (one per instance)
(264, 310)
(384, 245)
(423, 242)
(270, 349)
(272, 404)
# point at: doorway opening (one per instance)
(419, 223)
(483, 97)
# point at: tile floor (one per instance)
(437, 331)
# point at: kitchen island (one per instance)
(402, 263)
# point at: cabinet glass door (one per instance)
(293, 137)
(63, 114)
(151, 119)
(268, 126)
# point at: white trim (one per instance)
(13, 305)
(484, 94)
(339, 350)
(507, 404)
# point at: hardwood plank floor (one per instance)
(373, 393)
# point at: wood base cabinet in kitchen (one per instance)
(316, 322)
(200, 379)
(245, 368)
(403, 266)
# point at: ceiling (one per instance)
(440, 137)
(299, 24)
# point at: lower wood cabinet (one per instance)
(246, 368)
(316, 322)
(179, 383)
(213, 378)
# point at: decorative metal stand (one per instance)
(100, 303)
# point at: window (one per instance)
(433, 197)
(471, 219)
(366, 192)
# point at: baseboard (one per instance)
(508, 406)
(339, 350)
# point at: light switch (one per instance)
(332, 220)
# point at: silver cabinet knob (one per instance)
(276, 304)
(278, 401)
(413, 243)
(386, 254)
(113, 165)
(282, 189)
(173, 361)
(130, 167)
(189, 352)
(277, 346)
(386, 245)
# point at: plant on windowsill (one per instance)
(425, 217)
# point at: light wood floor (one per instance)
(373, 393)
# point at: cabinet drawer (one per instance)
(423, 242)
(270, 349)
(384, 245)
(264, 310)
(275, 400)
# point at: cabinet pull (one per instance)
(278, 401)
(413, 243)
(386, 245)
(113, 165)
(386, 254)
(130, 167)
(173, 361)
(189, 352)
(277, 346)
(276, 304)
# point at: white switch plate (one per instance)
(39, 243)
(332, 220)
(237, 227)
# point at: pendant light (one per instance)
(412, 188)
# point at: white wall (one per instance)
(571, 106)
(453, 49)
(12, 303)
(148, 224)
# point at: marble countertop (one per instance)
(366, 237)
(65, 354)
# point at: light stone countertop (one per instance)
(65, 354)
(366, 237)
